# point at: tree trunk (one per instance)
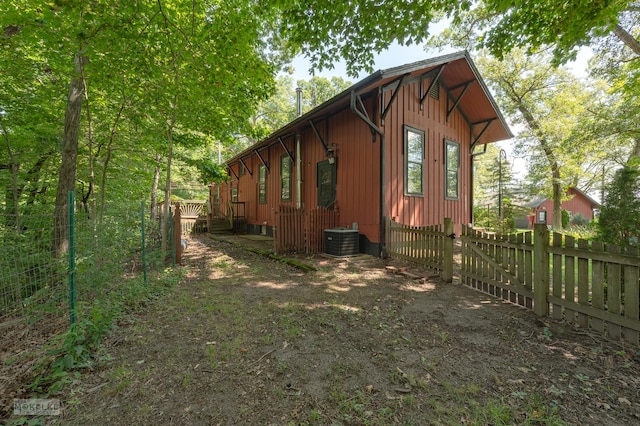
(33, 177)
(154, 188)
(13, 210)
(166, 217)
(103, 181)
(92, 158)
(557, 199)
(636, 149)
(549, 153)
(68, 166)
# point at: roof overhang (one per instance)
(456, 72)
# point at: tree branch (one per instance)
(627, 39)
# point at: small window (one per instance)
(241, 169)
(262, 184)
(285, 178)
(413, 161)
(542, 216)
(234, 195)
(451, 169)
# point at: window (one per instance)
(241, 169)
(326, 183)
(234, 195)
(285, 178)
(542, 216)
(413, 161)
(262, 184)
(451, 169)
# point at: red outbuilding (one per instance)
(576, 203)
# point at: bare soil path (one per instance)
(248, 340)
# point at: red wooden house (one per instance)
(577, 202)
(399, 144)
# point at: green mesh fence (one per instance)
(99, 277)
(107, 253)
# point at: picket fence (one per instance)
(298, 231)
(430, 246)
(585, 283)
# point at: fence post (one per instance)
(144, 246)
(447, 267)
(72, 261)
(541, 270)
(177, 231)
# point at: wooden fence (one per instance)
(585, 283)
(499, 265)
(297, 231)
(431, 246)
(193, 216)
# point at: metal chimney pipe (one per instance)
(298, 101)
(298, 152)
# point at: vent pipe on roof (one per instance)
(298, 156)
(298, 101)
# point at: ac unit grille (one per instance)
(341, 242)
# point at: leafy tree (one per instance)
(612, 29)
(492, 173)
(320, 89)
(619, 221)
(546, 103)
(615, 118)
(355, 30)
(565, 25)
(507, 222)
(139, 70)
(280, 109)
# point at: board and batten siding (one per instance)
(432, 207)
(578, 204)
(248, 188)
(265, 213)
(357, 173)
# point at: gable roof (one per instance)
(594, 203)
(538, 201)
(457, 73)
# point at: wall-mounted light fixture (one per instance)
(331, 154)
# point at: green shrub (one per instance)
(579, 219)
(566, 217)
(619, 221)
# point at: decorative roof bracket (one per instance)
(423, 95)
(357, 106)
(234, 173)
(399, 80)
(285, 148)
(264, 163)
(486, 123)
(484, 151)
(324, 144)
(246, 168)
(457, 101)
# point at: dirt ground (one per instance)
(249, 340)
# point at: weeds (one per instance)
(79, 347)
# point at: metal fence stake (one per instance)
(144, 246)
(72, 262)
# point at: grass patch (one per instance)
(77, 349)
